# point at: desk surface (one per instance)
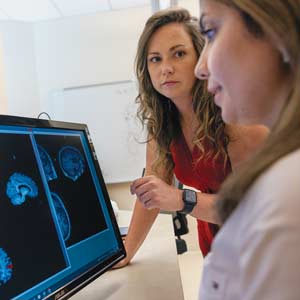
(153, 274)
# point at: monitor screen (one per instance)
(57, 228)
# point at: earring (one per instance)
(285, 55)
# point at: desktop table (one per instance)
(153, 274)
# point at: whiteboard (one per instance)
(109, 110)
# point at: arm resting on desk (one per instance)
(140, 225)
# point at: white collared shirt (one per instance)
(256, 254)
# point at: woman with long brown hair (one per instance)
(186, 135)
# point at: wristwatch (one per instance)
(189, 198)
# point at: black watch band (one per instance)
(189, 198)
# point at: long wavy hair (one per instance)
(279, 21)
(160, 115)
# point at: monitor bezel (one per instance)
(76, 284)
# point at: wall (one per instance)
(3, 95)
(36, 59)
(191, 5)
(90, 49)
(19, 69)
(84, 50)
(120, 192)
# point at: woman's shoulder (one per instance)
(276, 193)
(271, 204)
(284, 173)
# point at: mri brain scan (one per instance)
(47, 164)
(20, 187)
(62, 216)
(71, 162)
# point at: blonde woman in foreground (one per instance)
(251, 62)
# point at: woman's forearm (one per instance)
(140, 224)
(204, 209)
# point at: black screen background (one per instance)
(79, 197)
(27, 231)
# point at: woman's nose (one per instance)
(201, 70)
(167, 68)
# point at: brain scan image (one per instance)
(6, 267)
(47, 164)
(62, 216)
(71, 162)
(19, 187)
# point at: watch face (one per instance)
(190, 196)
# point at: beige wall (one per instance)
(3, 96)
(120, 193)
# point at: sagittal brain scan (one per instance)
(71, 162)
(62, 216)
(47, 164)
(20, 187)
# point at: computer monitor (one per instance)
(57, 228)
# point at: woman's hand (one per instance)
(125, 261)
(121, 264)
(152, 192)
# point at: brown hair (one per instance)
(279, 21)
(159, 114)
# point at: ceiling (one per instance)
(39, 10)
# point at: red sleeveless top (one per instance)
(206, 175)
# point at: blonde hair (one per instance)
(159, 114)
(280, 22)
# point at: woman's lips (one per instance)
(216, 92)
(169, 83)
(217, 97)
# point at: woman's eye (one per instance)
(179, 53)
(209, 34)
(154, 59)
